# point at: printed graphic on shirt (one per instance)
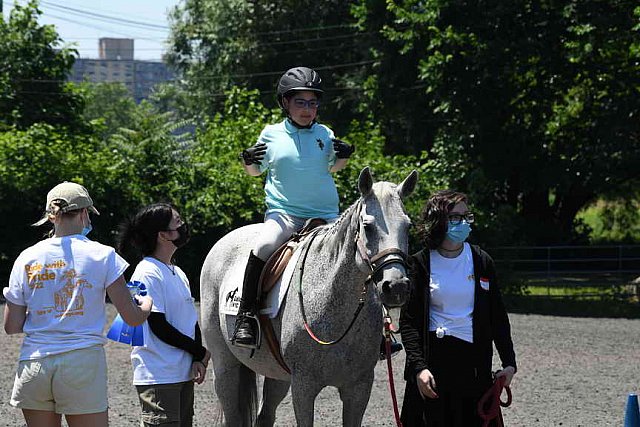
(37, 273)
(320, 144)
(68, 300)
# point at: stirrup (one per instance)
(254, 317)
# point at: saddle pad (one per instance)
(231, 291)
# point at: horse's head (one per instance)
(383, 236)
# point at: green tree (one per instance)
(542, 99)
(110, 105)
(32, 161)
(34, 64)
(613, 221)
(218, 44)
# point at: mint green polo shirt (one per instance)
(298, 161)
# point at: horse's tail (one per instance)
(248, 396)
(245, 406)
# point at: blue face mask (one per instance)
(458, 233)
(86, 230)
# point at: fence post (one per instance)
(620, 260)
(549, 271)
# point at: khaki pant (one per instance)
(169, 405)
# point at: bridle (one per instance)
(374, 265)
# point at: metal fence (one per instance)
(598, 270)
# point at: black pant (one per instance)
(459, 384)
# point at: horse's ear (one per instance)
(365, 181)
(408, 185)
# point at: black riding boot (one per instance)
(246, 323)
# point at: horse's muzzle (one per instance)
(395, 292)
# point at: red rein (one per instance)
(490, 403)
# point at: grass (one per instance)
(578, 299)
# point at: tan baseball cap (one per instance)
(70, 197)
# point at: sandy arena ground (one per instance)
(572, 372)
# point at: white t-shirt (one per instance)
(452, 287)
(62, 281)
(158, 362)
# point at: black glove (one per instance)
(342, 149)
(254, 155)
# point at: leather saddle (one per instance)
(277, 262)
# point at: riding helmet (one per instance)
(299, 78)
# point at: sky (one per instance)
(77, 23)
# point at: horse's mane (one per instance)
(338, 234)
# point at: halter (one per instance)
(371, 262)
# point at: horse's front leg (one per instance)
(273, 391)
(355, 397)
(304, 390)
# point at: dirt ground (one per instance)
(572, 372)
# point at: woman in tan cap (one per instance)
(56, 297)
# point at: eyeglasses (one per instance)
(456, 218)
(180, 224)
(303, 103)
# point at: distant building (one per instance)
(115, 49)
(116, 64)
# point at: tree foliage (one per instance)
(219, 44)
(542, 99)
(34, 63)
(110, 105)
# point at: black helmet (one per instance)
(299, 78)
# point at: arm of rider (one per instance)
(131, 312)
(426, 384)
(14, 317)
(252, 158)
(343, 152)
(508, 372)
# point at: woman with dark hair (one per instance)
(299, 155)
(454, 316)
(172, 358)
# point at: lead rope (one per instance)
(490, 403)
(392, 388)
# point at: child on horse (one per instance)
(299, 155)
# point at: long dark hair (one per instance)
(435, 216)
(141, 231)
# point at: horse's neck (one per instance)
(335, 254)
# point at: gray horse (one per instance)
(369, 241)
